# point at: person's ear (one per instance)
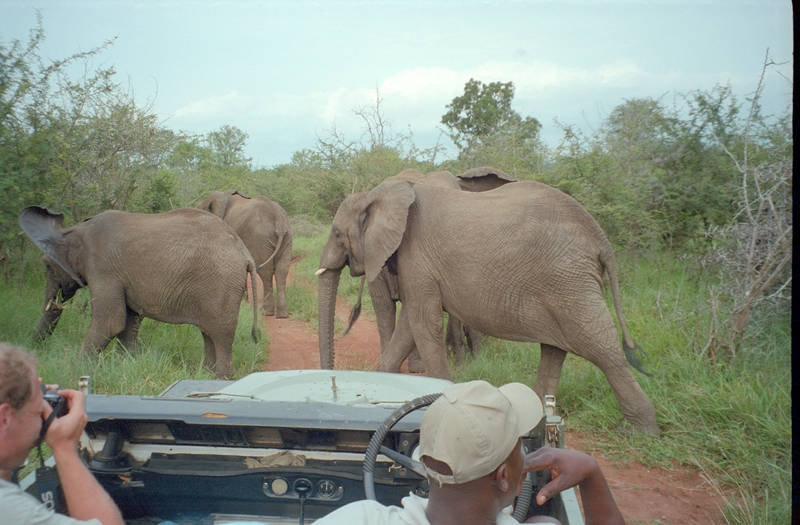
(501, 478)
(5, 417)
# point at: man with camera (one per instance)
(23, 412)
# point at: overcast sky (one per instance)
(285, 71)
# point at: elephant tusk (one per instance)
(320, 271)
(53, 306)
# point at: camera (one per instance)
(56, 402)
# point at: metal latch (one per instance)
(554, 425)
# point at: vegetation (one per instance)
(696, 196)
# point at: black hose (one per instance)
(524, 499)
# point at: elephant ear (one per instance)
(383, 223)
(44, 229)
(487, 171)
(216, 203)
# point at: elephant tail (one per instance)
(356, 311)
(251, 270)
(632, 350)
(274, 253)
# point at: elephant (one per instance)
(184, 266)
(529, 269)
(385, 293)
(264, 227)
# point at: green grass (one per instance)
(731, 419)
(166, 352)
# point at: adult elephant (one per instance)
(531, 269)
(264, 227)
(184, 266)
(385, 292)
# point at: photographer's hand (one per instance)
(86, 498)
(65, 431)
(569, 468)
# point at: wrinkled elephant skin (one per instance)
(530, 269)
(264, 227)
(184, 266)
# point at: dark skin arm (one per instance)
(569, 468)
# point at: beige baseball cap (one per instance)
(474, 426)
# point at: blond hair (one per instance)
(16, 367)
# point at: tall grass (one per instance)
(165, 352)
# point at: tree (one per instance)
(484, 111)
(227, 146)
(78, 145)
(754, 250)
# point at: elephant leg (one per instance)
(426, 325)
(415, 364)
(636, 407)
(549, 372)
(385, 308)
(595, 338)
(399, 347)
(210, 356)
(108, 320)
(130, 335)
(454, 340)
(281, 274)
(268, 301)
(218, 355)
(473, 340)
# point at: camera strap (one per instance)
(47, 485)
(42, 433)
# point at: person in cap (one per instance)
(471, 446)
(22, 412)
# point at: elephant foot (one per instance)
(267, 311)
(282, 314)
(415, 366)
(627, 429)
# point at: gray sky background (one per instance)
(285, 71)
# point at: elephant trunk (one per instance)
(48, 320)
(57, 292)
(326, 310)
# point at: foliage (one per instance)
(482, 111)
(76, 145)
(754, 252)
(227, 146)
(317, 180)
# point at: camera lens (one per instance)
(56, 402)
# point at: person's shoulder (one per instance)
(20, 507)
(366, 512)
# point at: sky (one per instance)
(286, 72)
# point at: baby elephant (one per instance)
(264, 227)
(182, 266)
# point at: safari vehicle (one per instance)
(276, 447)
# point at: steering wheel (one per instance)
(376, 445)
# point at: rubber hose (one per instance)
(524, 499)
